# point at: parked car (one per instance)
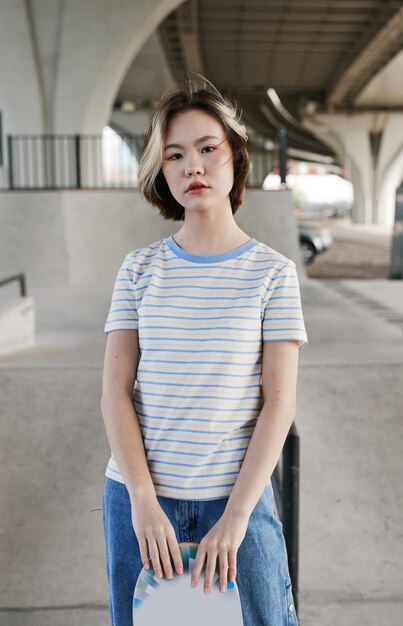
(313, 240)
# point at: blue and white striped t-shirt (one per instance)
(201, 321)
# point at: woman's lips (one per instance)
(197, 189)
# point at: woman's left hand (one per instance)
(222, 542)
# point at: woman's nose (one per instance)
(190, 171)
(194, 165)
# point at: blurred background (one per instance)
(319, 84)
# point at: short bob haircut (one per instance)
(186, 95)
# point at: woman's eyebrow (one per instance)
(177, 145)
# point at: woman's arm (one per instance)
(279, 382)
(121, 422)
(279, 374)
(153, 529)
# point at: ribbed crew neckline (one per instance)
(209, 258)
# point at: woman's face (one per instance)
(201, 153)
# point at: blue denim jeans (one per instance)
(262, 575)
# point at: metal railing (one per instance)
(285, 481)
(72, 161)
(50, 162)
(18, 277)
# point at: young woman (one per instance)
(200, 373)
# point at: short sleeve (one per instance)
(123, 310)
(282, 310)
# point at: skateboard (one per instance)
(175, 603)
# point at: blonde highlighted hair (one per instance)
(194, 91)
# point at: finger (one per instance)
(232, 565)
(198, 565)
(223, 570)
(164, 556)
(210, 569)
(175, 551)
(144, 551)
(154, 556)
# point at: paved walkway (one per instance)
(54, 451)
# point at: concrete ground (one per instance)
(54, 452)
(357, 251)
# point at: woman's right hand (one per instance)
(152, 526)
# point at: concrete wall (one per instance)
(81, 237)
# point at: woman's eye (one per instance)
(173, 156)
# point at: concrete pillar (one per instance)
(370, 148)
(68, 61)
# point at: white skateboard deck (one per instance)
(160, 601)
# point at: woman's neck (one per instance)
(199, 244)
